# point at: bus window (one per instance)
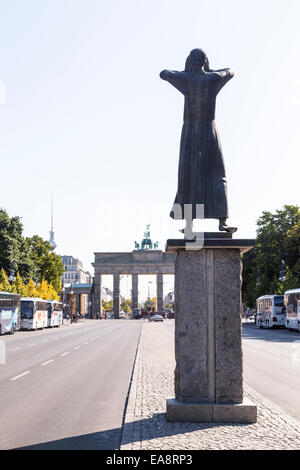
(27, 309)
(278, 301)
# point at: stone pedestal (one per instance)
(208, 349)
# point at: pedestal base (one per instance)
(245, 412)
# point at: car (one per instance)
(252, 318)
(156, 318)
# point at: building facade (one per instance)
(74, 271)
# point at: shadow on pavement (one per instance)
(274, 335)
(151, 428)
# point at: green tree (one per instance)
(47, 264)
(278, 239)
(13, 246)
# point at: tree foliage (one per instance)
(32, 257)
(126, 306)
(43, 290)
(47, 264)
(278, 240)
(153, 303)
(107, 306)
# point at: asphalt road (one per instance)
(66, 388)
(272, 365)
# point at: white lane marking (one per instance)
(64, 354)
(32, 344)
(86, 342)
(15, 349)
(77, 347)
(93, 339)
(48, 362)
(21, 375)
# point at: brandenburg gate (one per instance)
(145, 259)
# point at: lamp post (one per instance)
(282, 272)
(12, 271)
(63, 302)
(258, 278)
(71, 296)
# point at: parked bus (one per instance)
(9, 312)
(270, 311)
(292, 305)
(55, 314)
(34, 313)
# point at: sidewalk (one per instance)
(146, 428)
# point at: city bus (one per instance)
(292, 305)
(270, 311)
(34, 313)
(9, 312)
(55, 314)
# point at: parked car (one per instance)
(156, 318)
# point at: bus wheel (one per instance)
(267, 324)
(0, 330)
(12, 331)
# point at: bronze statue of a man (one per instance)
(201, 174)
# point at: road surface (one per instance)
(66, 388)
(272, 365)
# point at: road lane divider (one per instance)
(65, 353)
(21, 375)
(47, 362)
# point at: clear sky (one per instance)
(87, 118)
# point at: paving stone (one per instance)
(146, 427)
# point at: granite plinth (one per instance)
(210, 240)
(245, 412)
(208, 346)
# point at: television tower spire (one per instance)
(51, 240)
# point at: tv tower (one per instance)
(51, 240)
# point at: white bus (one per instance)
(34, 313)
(270, 311)
(292, 305)
(55, 314)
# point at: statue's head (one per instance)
(196, 61)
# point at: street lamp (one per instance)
(258, 278)
(71, 297)
(282, 272)
(12, 271)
